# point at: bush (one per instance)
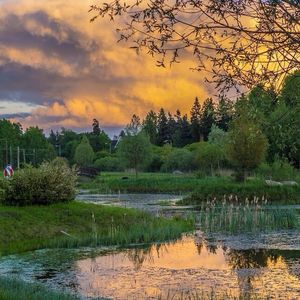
(179, 159)
(154, 165)
(208, 157)
(109, 164)
(48, 184)
(279, 170)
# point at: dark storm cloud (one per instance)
(39, 84)
(48, 35)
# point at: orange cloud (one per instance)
(78, 72)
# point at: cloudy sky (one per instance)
(58, 69)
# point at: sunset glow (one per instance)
(65, 71)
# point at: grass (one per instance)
(201, 189)
(109, 182)
(210, 190)
(14, 289)
(252, 216)
(76, 224)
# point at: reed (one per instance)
(234, 215)
(15, 289)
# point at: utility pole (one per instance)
(18, 157)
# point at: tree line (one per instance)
(262, 125)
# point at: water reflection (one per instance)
(193, 263)
(189, 265)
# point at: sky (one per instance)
(59, 70)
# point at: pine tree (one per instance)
(207, 117)
(134, 127)
(224, 113)
(96, 127)
(172, 126)
(195, 121)
(162, 128)
(186, 132)
(150, 126)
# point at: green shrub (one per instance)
(50, 183)
(279, 170)
(109, 164)
(179, 159)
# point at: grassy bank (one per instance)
(201, 189)
(251, 189)
(109, 182)
(77, 224)
(14, 289)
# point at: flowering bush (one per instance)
(48, 184)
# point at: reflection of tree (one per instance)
(252, 258)
(243, 261)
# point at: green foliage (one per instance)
(251, 216)
(246, 144)
(37, 145)
(207, 117)
(84, 153)
(109, 164)
(50, 183)
(208, 156)
(210, 190)
(224, 113)
(279, 170)
(163, 134)
(13, 288)
(196, 120)
(178, 159)
(30, 228)
(98, 141)
(290, 92)
(134, 150)
(150, 126)
(217, 136)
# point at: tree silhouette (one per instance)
(239, 42)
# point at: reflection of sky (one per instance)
(142, 273)
(138, 273)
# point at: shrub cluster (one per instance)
(279, 170)
(50, 183)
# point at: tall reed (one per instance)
(234, 215)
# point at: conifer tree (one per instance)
(207, 117)
(195, 121)
(150, 126)
(162, 128)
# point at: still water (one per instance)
(262, 264)
(194, 263)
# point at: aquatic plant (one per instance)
(234, 215)
(13, 288)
